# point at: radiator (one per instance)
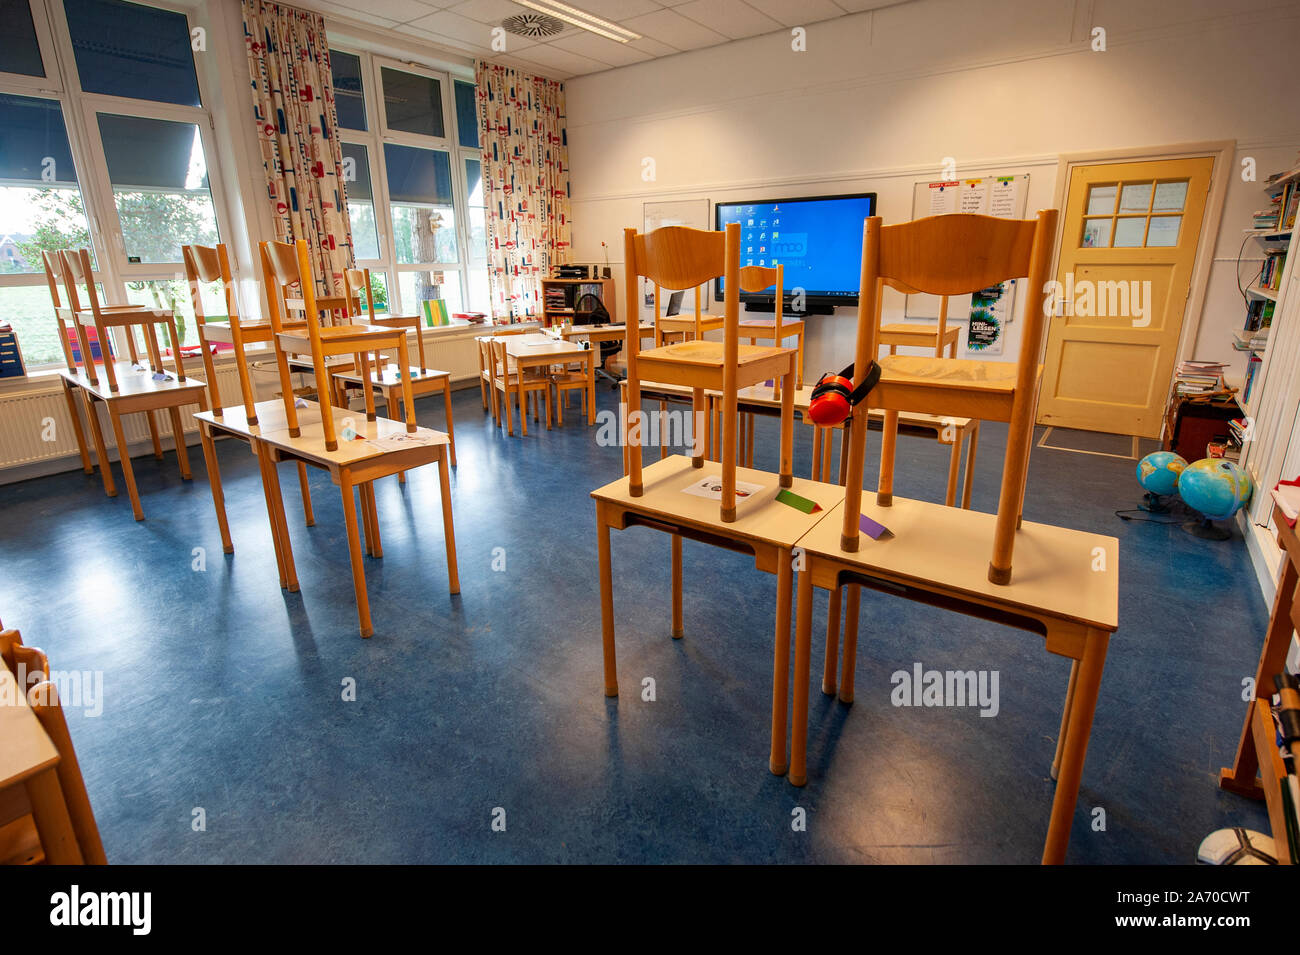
(34, 424)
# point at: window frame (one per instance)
(52, 81)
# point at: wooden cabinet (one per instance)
(559, 296)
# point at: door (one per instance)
(1128, 248)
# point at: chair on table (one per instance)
(914, 334)
(676, 257)
(388, 378)
(20, 841)
(284, 266)
(507, 380)
(757, 278)
(953, 255)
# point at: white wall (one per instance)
(880, 98)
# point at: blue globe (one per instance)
(1158, 472)
(1216, 487)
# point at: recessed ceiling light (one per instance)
(581, 18)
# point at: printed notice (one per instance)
(711, 488)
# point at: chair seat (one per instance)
(340, 336)
(388, 376)
(905, 333)
(123, 315)
(958, 372)
(699, 364)
(709, 353)
(252, 333)
(946, 386)
(769, 324)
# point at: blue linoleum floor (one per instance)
(223, 692)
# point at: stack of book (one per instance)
(1200, 378)
(1259, 314)
(1270, 276)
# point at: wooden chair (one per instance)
(914, 334)
(676, 257)
(285, 266)
(756, 278)
(509, 381)
(953, 255)
(388, 378)
(571, 377)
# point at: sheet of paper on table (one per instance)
(399, 442)
(711, 488)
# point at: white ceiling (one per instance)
(666, 27)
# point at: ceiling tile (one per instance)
(400, 10)
(599, 48)
(452, 25)
(549, 55)
(487, 11)
(653, 47)
(674, 29)
(731, 18)
(857, 6)
(793, 13)
(615, 10)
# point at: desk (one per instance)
(603, 333)
(763, 527)
(388, 382)
(538, 350)
(29, 759)
(1065, 588)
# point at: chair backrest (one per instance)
(77, 271)
(53, 277)
(679, 258)
(356, 285)
(8, 640)
(756, 278)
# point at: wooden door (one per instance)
(1128, 248)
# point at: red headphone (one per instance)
(833, 397)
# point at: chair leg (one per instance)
(787, 429)
(1015, 470)
(972, 442)
(346, 489)
(178, 438)
(954, 471)
(816, 473)
(152, 418)
(391, 403)
(280, 526)
(781, 661)
(214, 482)
(308, 514)
(367, 392)
(850, 642)
(77, 430)
(678, 630)
(889, 441)
(699, 429)
(101, 450)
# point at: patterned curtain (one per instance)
(293, 104)
(525, 185)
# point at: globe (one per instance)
(1158, 472)
(1216, 487)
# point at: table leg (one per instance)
(376, 542)
(1065, 718)
(152, 418)
(214, 482)
(678, 629)
(776, 761)
(101, 451)
(270, 516)
(178, 438)
(973, 441)
(851, 609)
(354, 552)
(53, 824)
(830, 670)
(448, 526)
(76, 426)
(606, 602)
(304, 489)
(124, 458)
(392, 416)
(1084, 705)
(591, 390)
(275, 501)
(451, 425)
(802, 662)
(367, 537)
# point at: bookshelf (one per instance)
(560, 295)
(1272, 229)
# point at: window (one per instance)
(419, 190)
(412, 103)
(125, 49)
(466, 115)
(361, 202)
(1149, 214)
(476, 208)
(21, 51)
(349, 92)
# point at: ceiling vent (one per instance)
(532, 25)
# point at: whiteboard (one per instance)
(1002, 195)
(692, 213)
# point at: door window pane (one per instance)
(20, 52)
(160, 186)
(1129, 232)
(125, 49)
(419, 287)
(1135, 197)
(40, 204)
(1170, 197)
(349, 90)
(412, 103)
(466, 114)
(361, 202)
(1096, 234)
(1101, 200)
(1164, 231)
(424, 218)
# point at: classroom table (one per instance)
(387, 380)
(1065, 588)
(764, 527)
(28, 758)
(539, 350)
(603, 333)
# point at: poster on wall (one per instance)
(1003, 196)
(692, 213)
(990, 311)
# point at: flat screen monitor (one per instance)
(817, 238)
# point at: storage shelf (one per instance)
(1270, 235)
(1268, 293)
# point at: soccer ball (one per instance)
(1237, 846)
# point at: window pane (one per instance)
(466, 114)
(477, 213)
(160, 186)
(1129, 232)
(40, 204)
(480, 294)
(124, 49)
(349, 91)
(419, 287)
(424, 220)
(360, 199)
(412, 103)
(1164, 231)
(379, 289)
(1136, 197)
(1170, 197)
(31, 314)
(1101, 200)
(20, 52)
(1096, 234)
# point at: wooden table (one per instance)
(388, 382)
(764, 527)
(29, 759)
(538, 350)
(603, 333)
(1065, 588)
